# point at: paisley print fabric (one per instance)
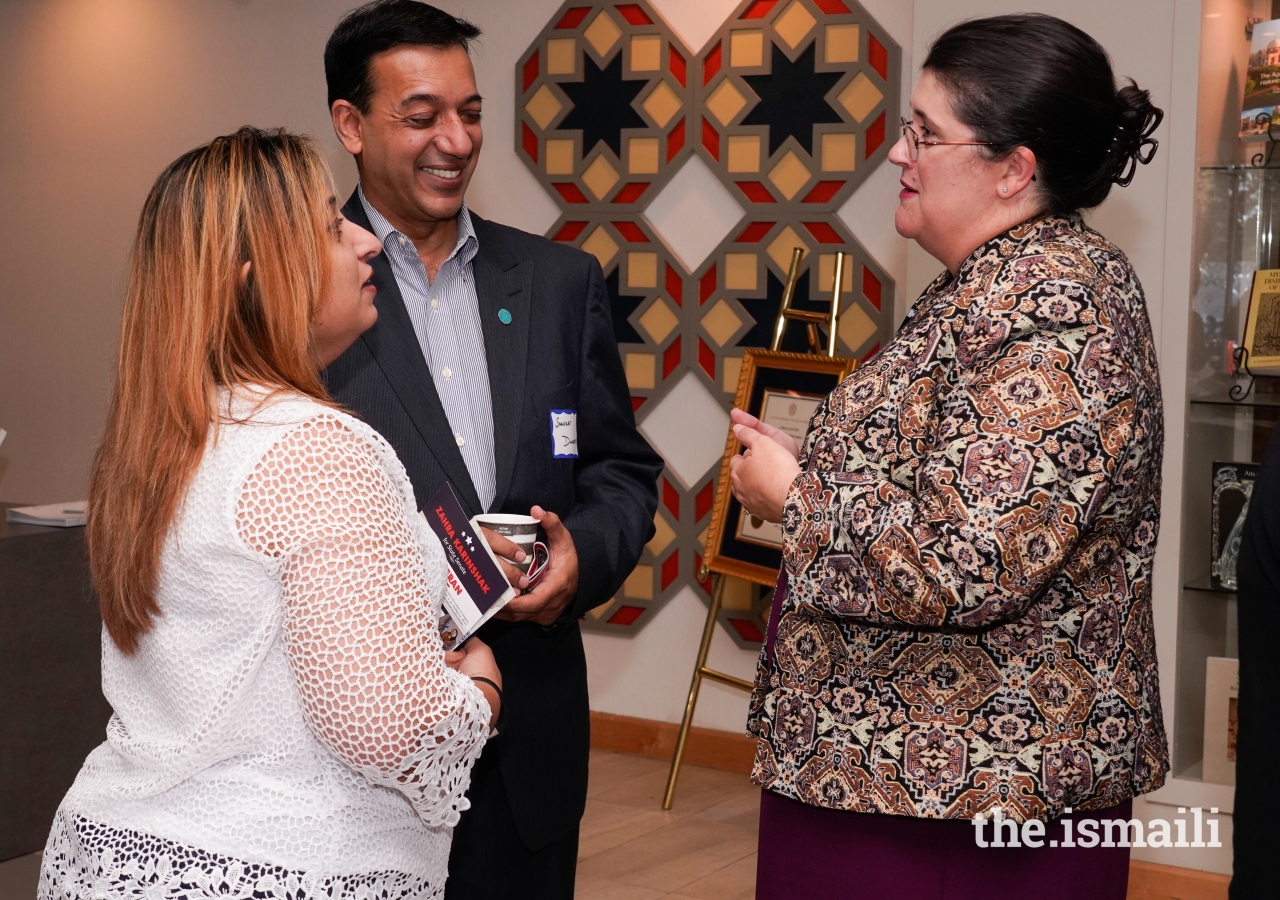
(968, 620)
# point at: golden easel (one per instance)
(700, 669)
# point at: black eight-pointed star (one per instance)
(792, 99)
(602, 105)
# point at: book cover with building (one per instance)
(1262, 82)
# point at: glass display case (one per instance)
(1230, 417)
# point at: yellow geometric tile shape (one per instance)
(641, 370)
(726, 101)
(737, 593)
(794, 24)
(740, 271)
(663, 535)
(642, 155)
(856, 327)
(559, 156)
(659, 321)
(744, 153)
(746, 48)
(600, 177)
(702, 538)
(661, 104)
(562, 56)
(839, 152)
(597, 612)
(642, 270)
(721, 322)
(827, 271)
(543, 106)
(789, 175)
(646, 52)
(600, 245)
(603, 33)
(780, 248)
(639, 584)
(842, 43)
(860, 96)
(732, 369)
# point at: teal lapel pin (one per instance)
(504, 316)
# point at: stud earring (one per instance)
(1004, 190)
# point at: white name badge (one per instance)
(564, 433)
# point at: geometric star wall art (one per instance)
(691, 175)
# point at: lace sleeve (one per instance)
(361, 618)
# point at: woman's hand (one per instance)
(742, 417)
(479, 662)
(762, 476)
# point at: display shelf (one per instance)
(1205, 583)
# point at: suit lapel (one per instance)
(394, 344)
(501, 283)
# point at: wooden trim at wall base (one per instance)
(647, 737)
(1152, 881)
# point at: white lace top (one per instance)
(288, 727)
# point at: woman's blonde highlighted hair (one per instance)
(194, 322)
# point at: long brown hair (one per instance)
(193, 323)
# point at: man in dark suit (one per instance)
(492, 366)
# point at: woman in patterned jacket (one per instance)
(963, 629)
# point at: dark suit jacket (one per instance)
(558, 352)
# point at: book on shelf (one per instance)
(1221, 693)
(55, 515)
(1262, 324)
(1261, 101)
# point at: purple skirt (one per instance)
(826, 854)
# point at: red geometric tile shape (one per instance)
(703, 502)
(675, 287)
(706, 359)
(831, 7)
(569, 231)
(760, 9)
(754, 233)
(531, 70)
(569, 191)
(754, 191)
(824, 233)
(630, 192)
(712, 65)
(711, 140)
(871, 287)
(747, 630)
(626, 615)
(634, 14)
(704, 583)
(872, 352)
(670, 569)
(631, 232)
(637, 402)
(529, 141)
(671, 358)
(875, 136)
(573, 18)
(675, 140)
(679, 68)
(671, 499)
(707, 286)
(878, 56)
(823, 191)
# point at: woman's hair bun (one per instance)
(1133, 142)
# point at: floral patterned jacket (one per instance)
(968, 618)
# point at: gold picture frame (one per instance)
(750, 551)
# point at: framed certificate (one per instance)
(783, 390)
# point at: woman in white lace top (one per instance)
(286, 722)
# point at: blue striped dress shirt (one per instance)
(446, 320)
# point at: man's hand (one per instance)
(558, 585)
(507, 549)
(762, 476)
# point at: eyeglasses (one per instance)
(914, 142)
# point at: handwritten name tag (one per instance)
(564, 433)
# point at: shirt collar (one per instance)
(465, 249)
